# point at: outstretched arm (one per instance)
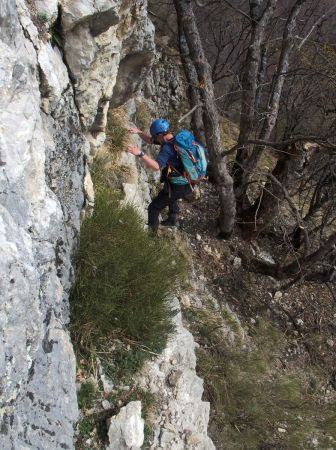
(148, 161)
(145, 137)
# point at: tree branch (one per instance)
(315, 25)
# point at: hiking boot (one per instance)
(169, 222)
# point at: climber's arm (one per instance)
(144, 136)
(147, 160)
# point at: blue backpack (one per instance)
(193, 158)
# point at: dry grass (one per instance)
(117, 135)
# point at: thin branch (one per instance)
(315, 25)
(257, 210)
(240, 11)
(299, 219)
(280, 145)
(189, 112)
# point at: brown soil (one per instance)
(306, 312)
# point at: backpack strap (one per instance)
(189, 154)
(181, 175)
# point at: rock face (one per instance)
(48, 98)
(165, 87)
(105, 42)
(184, 416)
(39, 221)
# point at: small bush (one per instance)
(117, 135)
(86, 395)
(124, 278)
(85, 428)
(42, 17)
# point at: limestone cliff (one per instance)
(51, 99)
(62, 65)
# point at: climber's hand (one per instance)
(134, 130)
(133, 150)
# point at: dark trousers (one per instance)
(168, 196)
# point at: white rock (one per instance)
(106, 404)
(185, 300)
(166, 438)
(55, 75)
(126, 430)
(277, 295)
(47, 7)
(266, 257)
(88, 188)
(237, 262)
(207, 249)
(330, 342)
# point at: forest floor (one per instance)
(304, 313)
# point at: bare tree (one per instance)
(248, 163)
(288, 107)
(260, 18)
(223, 179)
(192, 80)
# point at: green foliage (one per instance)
(124, 360)
(85, 427)
(149, 401)
(56, 34)
(256, 404)
(86, 395)
(148, 436)
(124, 278)
(42, 17)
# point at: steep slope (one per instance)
(54, 100)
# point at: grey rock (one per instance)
(97, 38)
(106, 404)
(44, 184)
(126, 429)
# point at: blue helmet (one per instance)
(159, 126)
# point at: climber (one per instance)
(170, 164)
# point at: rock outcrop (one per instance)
(62, 65)
(182, 423)
(51, 98)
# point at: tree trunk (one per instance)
(260, 20)
(266, 207)
(192, 80)
(222, 177)
(272, 111)
(312, 259)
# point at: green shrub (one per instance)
(85, 427)
(124, 278)
(86, 395)
(42, 17)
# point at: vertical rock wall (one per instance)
(50, 100)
